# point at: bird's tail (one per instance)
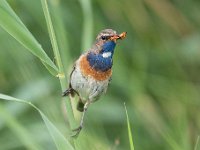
(80, 106)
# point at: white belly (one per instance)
(87, 87)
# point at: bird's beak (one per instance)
(120, 36)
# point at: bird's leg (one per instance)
(68, 92)
(78, 130)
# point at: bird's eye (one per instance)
(103, 37)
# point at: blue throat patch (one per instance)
(100, 63)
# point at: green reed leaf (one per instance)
(11, 23)
(60, 141)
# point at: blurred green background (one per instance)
(156, 72)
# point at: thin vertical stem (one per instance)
(58, 61)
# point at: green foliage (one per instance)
(59, 139)
(129, 130)
(156, 72)
(13, 25)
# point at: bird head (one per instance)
(106, 40)
(109, 35)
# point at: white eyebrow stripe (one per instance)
(105, 34)
(106, 54)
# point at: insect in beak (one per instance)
(120, 36)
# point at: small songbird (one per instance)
(92, 72)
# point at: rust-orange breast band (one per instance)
(87, 70)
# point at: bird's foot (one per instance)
(68, 92)
(77, 131)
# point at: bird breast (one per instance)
(84, 81)
(87, 70)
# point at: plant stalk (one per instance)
(60, 75)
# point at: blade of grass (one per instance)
(171, 141)
(63, 82)
(11, 23)
(22, 134)
(52, 35)
(60, 141)
(197, 143)
(129, 129)
(61, 33)
(58, 59)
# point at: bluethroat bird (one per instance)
(92, 72)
